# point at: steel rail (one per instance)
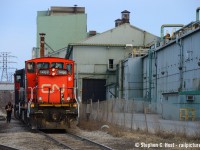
(101, 146)
(4, 147)
(76, 137)
(55, 140)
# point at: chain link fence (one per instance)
(139, 115)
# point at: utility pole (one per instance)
(4, 61)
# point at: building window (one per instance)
(111, 64)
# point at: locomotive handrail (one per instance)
(32, 92)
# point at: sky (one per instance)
(18, 19)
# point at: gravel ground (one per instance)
(17, 135)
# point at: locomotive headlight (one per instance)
(62, 72)
(53, 72)
(45, 72)
(74, 105)
(32, 105)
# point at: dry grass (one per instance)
(137, 136)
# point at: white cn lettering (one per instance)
(52, 87)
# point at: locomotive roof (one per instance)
(49, 59)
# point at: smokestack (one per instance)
(42, 35)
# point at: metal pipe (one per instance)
(150, 73)
(197, 14)
(76, 93)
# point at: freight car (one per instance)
(44, 93)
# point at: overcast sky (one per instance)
(18, 19)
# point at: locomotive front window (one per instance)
(31, 67)
(43, 65)
(69, 68)
(57, 65)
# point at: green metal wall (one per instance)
(61, 29)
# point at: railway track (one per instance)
(3, 147)
(74, 142)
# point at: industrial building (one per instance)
(62, 25)
(98, 58)
(169, 80)
(171, 73)
(129, 63)
(96, 55)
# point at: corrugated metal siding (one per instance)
(169, 78)
(132, 78)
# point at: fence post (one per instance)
(107, 110)
(145, 116)
(132, 110)
(91, 108)
(98, 110)
(124, 113)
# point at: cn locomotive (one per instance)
(44, 93)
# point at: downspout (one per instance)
(156, 77)
(76, 94)
(197, 14)
(144, 39)
(150, 73)
(181, 65)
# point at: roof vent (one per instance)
(125, 16)
(92, 33)
(118, 22)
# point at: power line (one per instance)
(4, 60)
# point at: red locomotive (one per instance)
(45, 94)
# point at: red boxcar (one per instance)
(45, 93)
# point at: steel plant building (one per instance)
(129, 63)
(62, 25)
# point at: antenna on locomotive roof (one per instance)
(42, 42)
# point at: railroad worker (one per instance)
(9, 108)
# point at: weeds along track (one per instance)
(74, 142)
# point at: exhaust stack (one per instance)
(42, 42)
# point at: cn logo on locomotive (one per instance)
(52, 87)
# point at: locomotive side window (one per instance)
(69, 68)
(43, 65)
(57, 65)
(31, 67)
(18, 78)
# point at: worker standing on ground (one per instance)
(9, 108)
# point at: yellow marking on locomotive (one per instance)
(55, 105)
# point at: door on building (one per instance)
(94, 89)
